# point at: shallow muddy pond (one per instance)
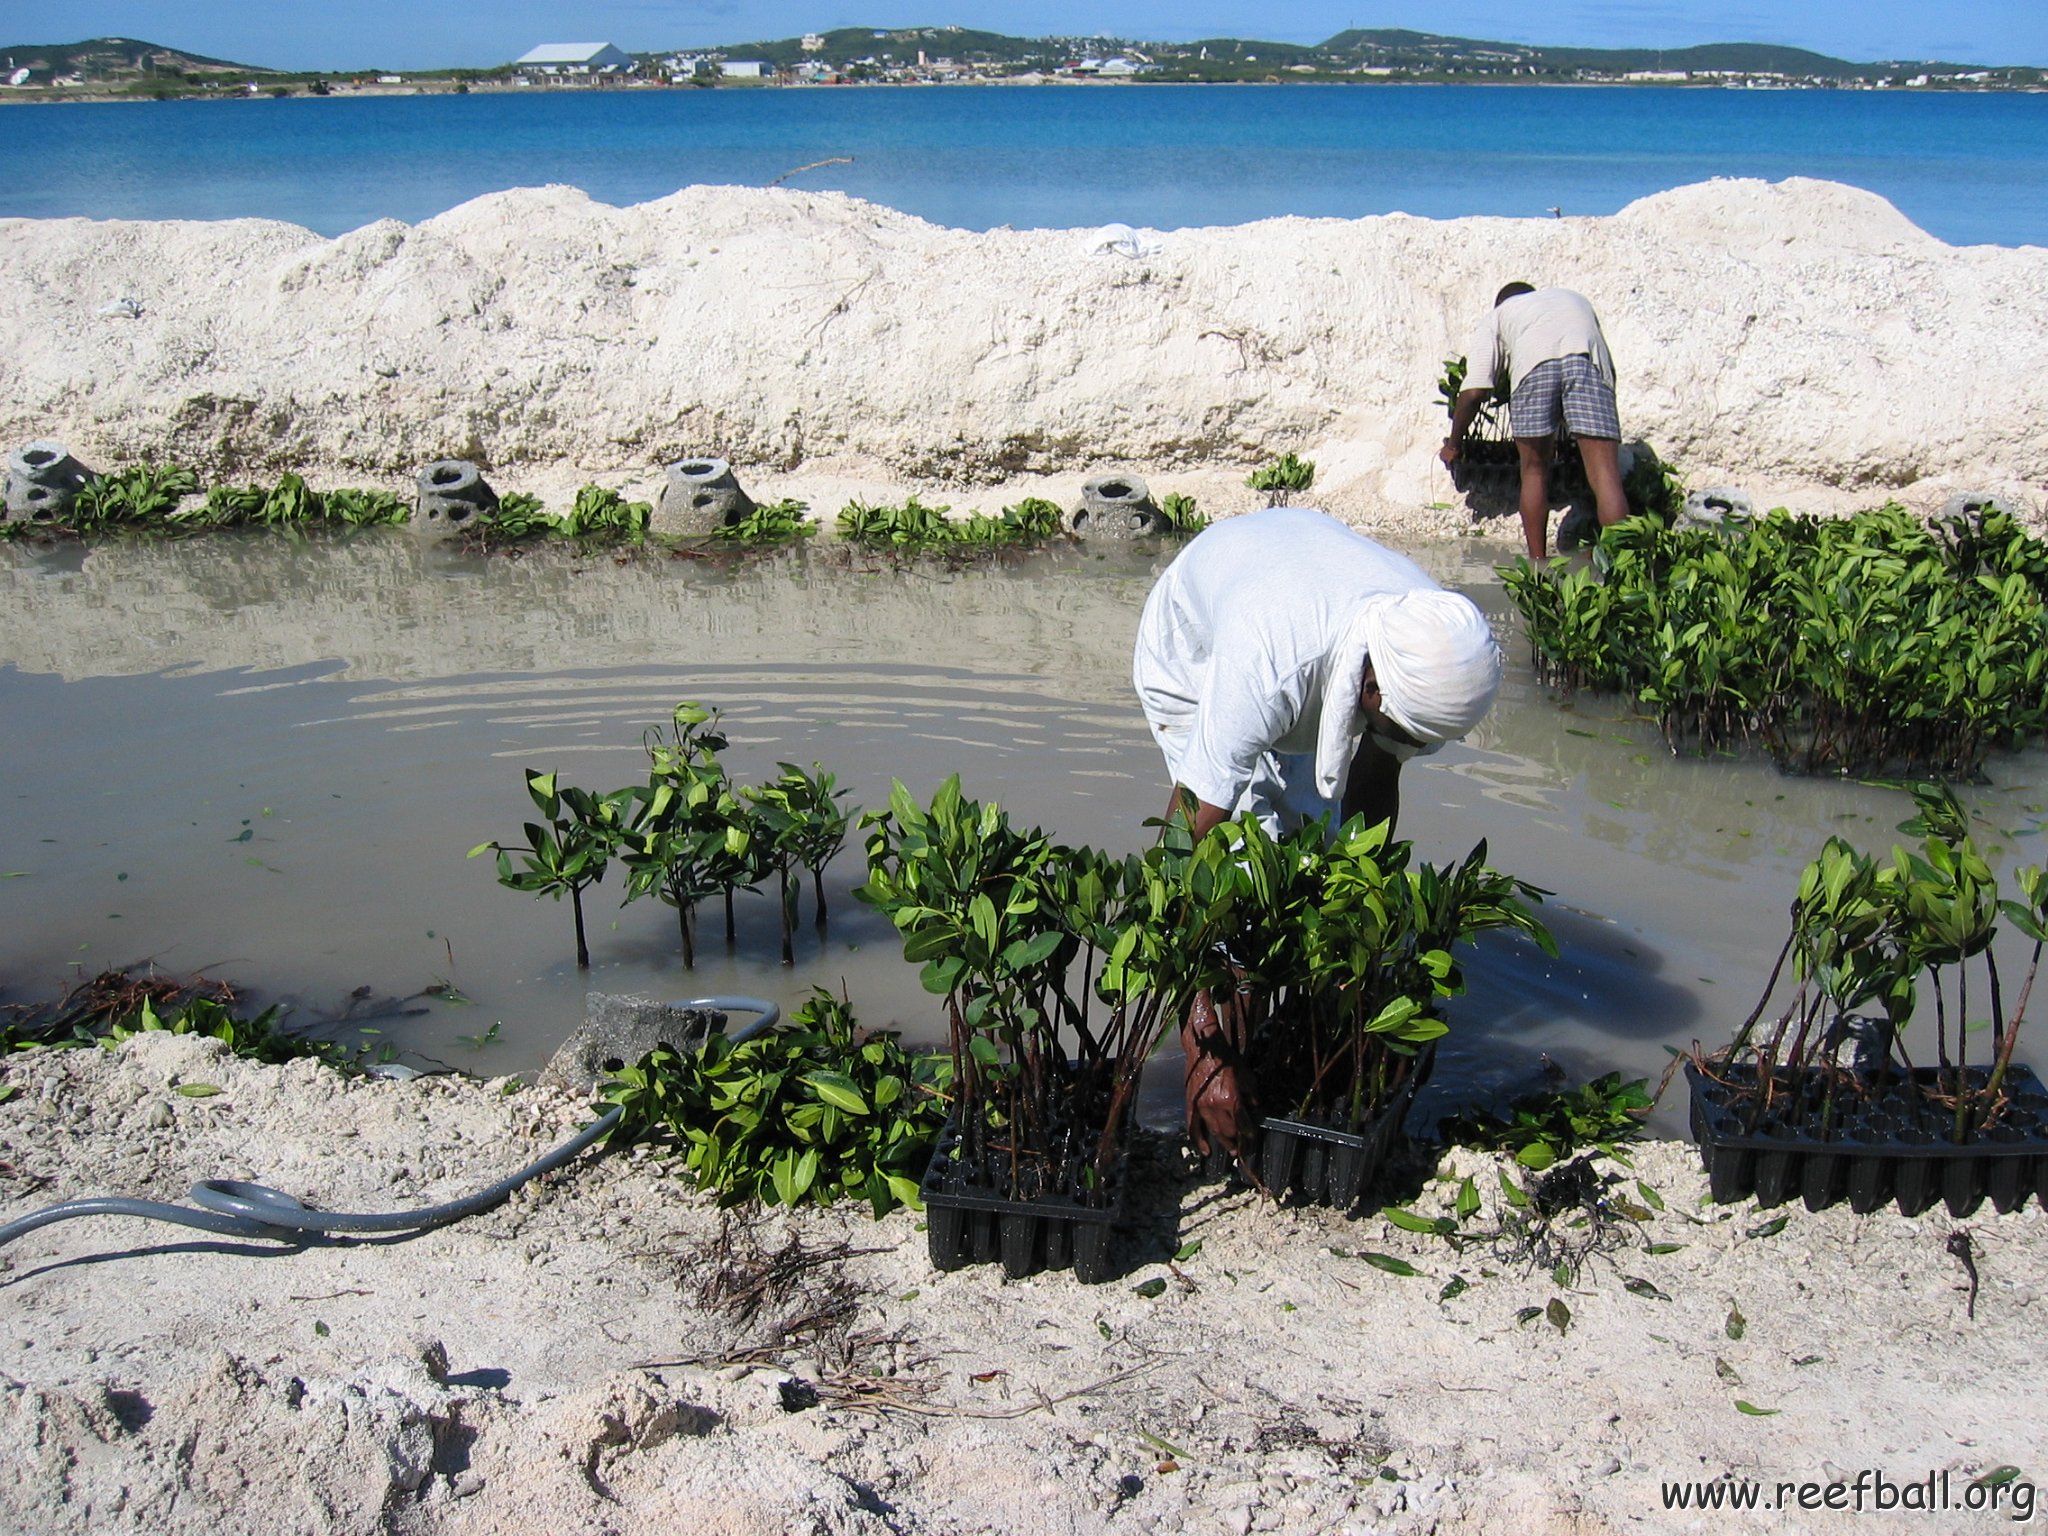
(265, 759)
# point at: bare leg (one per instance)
(1535, 454)
(1602, 458)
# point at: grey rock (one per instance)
(617, 1031)
(1116, 507)
(702, 495)
(453, 494)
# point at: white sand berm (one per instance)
(1802, 340)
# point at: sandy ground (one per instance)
(565, 1362)
(1802, 341)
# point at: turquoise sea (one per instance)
(1969, 168)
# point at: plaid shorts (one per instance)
(1568, 390)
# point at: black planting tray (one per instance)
(966, 1224)
(1882, 1148)
(1325, 1166)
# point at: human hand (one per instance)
(1221, 1094)
(1450, 451)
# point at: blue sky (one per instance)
(352, 34)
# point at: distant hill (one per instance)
(116, 59)
(1413, 52)
(1431, 50)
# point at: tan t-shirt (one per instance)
(1533, 328)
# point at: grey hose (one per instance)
(237, 1209)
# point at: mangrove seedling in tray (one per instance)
(1873, 942)
(1059, 967)
(1343, 952)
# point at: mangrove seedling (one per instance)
(1023, 939)
(139, 497)
(1282, 478)
(800, 826)
(910, 526)
(356, 508)
(776, 522)
(685, 836)
(1870, 645)
(1180, 513)
(818, 1110)
(1540, 1129)
(518, 516)
(564, 854)
(604, 514)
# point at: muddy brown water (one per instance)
(265, 759)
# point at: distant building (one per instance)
(813, 43)
(573, 59)
(743, 69)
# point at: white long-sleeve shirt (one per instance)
(1240, 639)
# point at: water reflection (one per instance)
(268, 757)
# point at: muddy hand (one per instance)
(1219, 1083)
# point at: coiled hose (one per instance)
(236, 1209)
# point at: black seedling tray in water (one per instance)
(966, 1224)
(1331, 1167)
(1894, 1146)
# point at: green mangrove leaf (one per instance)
(1392, 1265)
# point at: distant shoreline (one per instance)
(46, 96)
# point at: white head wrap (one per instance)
(1437, 666)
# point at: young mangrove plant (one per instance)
(684, 836)
(1544, 1128)
(1871, 940)
(777, 522)
(518, 516)
(913, 527)
(143, 496)
(908, 526)
(1282, 478)
(816, 1111)
(112, 1006)
(1869, 645)
(1182, 517)
(801, 827)
(566, 852)
(598, 513)
(1489, 427)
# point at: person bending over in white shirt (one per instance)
(1288, 666)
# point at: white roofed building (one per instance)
(573, 59)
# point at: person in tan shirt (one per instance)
(1545, 346)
